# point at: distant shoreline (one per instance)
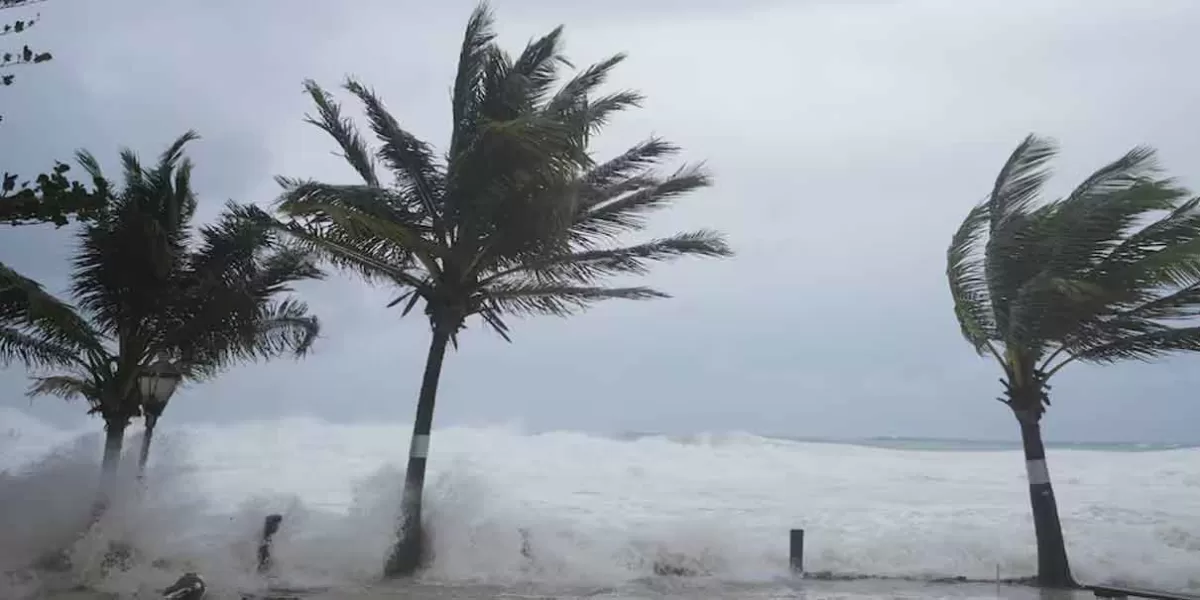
(931, 444)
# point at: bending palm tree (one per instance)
(516, 219)
(1110, 272)
(146, 294)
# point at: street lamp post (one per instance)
(156, 383)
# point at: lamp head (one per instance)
(157, 382)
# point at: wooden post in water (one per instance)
(270, 527)
(796, 550)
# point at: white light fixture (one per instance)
(157, 382)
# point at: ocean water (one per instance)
(593, 513)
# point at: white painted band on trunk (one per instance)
(1037, 472)
(420, 447)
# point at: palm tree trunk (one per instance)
(145, 453)
(1053, 569)
(406, 555)
(114, 438)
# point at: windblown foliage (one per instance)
(1107, 273)
(26, 55)
(52, 198)
(517, 218)
(148, 287)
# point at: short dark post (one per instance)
(270, 527)
(796, 550)
(189, 587)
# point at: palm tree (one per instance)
(1109, 272)
(516, 219)
(147, 291)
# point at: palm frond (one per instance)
(538, 66)
(1061, 289)
(468, 82)
(183, 203)
(1165, 252)
(173, 155)
(274, 329)
(500, 91)
(302, 199)
(534, 298)
(540, 144)
(222, 309)
(91, 166)
(288, 263)
(286, 327)
(633, 162)
(229, 246)
(133, 175)
(1016, 251)
(21, 297)
(32, 350)
(351, 252)
(618, 209)
(411, 159)
(1100, 214)
(588, 266)
(46, 326)
(968, 279)
(1146, 346)
(598, 113)
(1021, 179)
(1136, 166)
(371, 225)
(342, 130)
(1049, 309)
(67, 387)
(575, 91)
(1181, 304)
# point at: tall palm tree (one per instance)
(1107, 273)
(516, 218)
(147, 290)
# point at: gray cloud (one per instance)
(848, 139)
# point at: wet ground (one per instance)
(666, 589)
(806, 591)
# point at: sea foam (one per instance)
(506, 507)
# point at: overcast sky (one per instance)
(848, 138)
